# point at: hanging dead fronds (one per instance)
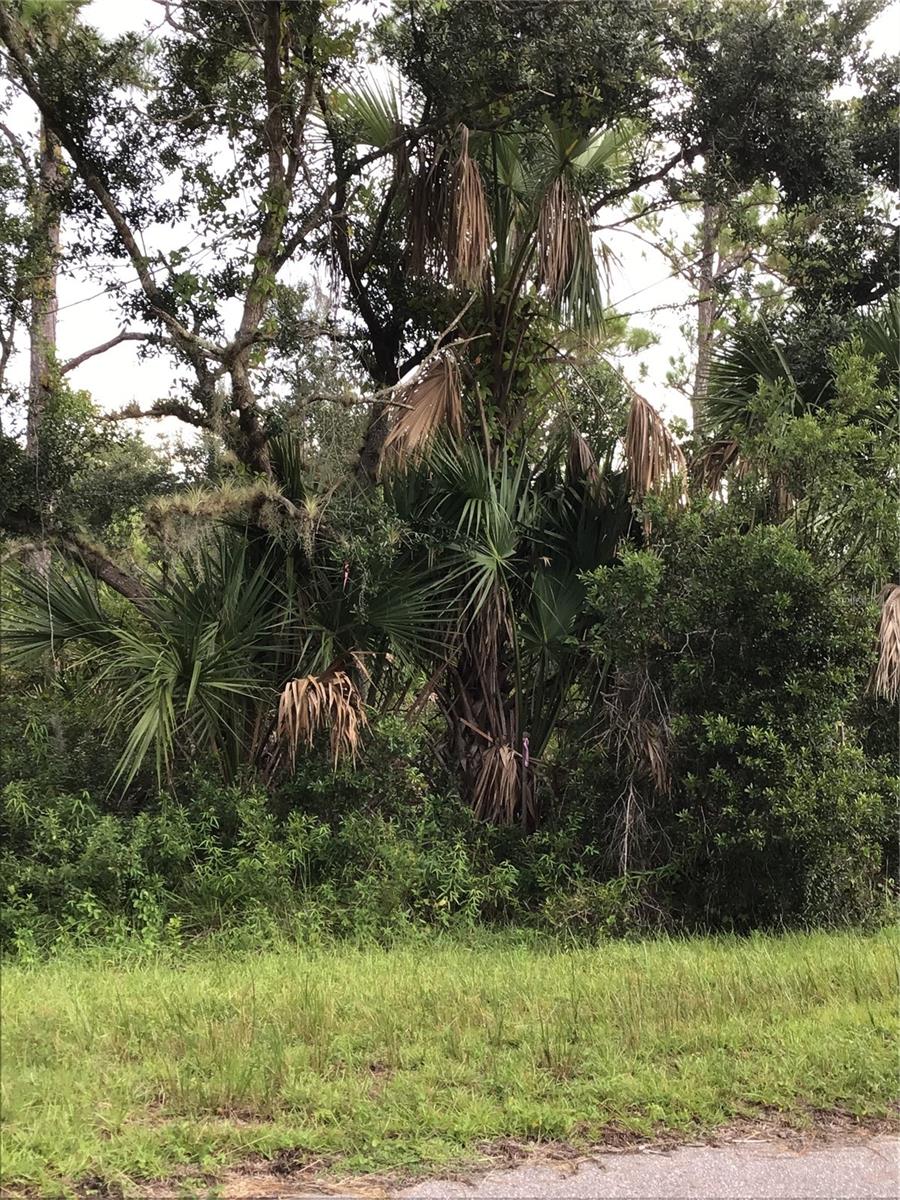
(886, 678)
(433, 401)
(469, 230)
(564, 236)
(581, 465)
(497, 788)
(711, 465)
(316, 702)
(654, 457)
(557, 223)
(427, 209)
(639, 734)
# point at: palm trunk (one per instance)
(44, 300)
(706, 309)
(485, 738)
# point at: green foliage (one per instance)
(353, 852)
(672, 707)
(87, 473)
(775, 813)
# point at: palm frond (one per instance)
(581, 465)
(427, 209)
(654, 457)
(369, 113)
(879, 333)
(315, 702)
(433, 403)
(469, 233)
(737, 370)
(711, 465)
(49, 612)
(604, 150)
(886, 680)
(567, 266)
(497, 786)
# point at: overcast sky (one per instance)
(642, 281)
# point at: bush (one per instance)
(365, 852)
(781, 807)
(775, 812)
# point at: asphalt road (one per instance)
(751, 1170)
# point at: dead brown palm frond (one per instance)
(639, 734)
(427, 209)
(886, 677)
(654, 457)
(469, 230)
(581, 465)
(497, 787)
(316, 702)
(563, 226)
(711, 465)
(433, 401)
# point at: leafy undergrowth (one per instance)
(119, 1069)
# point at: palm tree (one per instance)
(270, 632)
(475, 457)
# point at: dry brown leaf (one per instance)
(563, 230)
(469, 232)
(710, 466)
(432, 402)
(315, 702)
(654, 457)
(496, 793)
(581, 464)
(886, 680)
(426, 212)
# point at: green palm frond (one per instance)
(879, 333)
(369, 112)
(750, 359)
(605, 151)
(413, 613)
(45, 613)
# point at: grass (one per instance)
(122, 1070)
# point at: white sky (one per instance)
(642, 281)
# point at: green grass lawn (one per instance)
(121, 1070)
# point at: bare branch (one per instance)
(19, 151)
(686, 154)
(104, 346)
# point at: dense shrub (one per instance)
(357, 852)
(775, 811)
(780, 809)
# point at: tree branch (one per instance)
(104, 346)
(638, 181)
(162, 408)
(92, 557)
(191, 343)
(19, 151)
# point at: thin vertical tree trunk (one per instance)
(706, 308)
(44, 300)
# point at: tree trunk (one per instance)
(490, 750)
(44, 301)
(706, 309)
